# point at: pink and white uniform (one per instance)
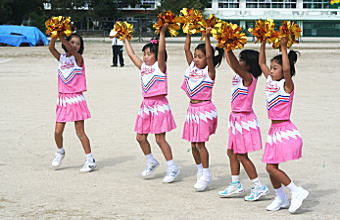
(154, 115)
(201, 119)
(243, 127)
(284, 141)
(71, 103)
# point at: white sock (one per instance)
(150, 158)
(61, 150)
(280, 193)
(206, 172)
(171, 163)
(292, 187)
(256, 182)
(89, 157)
(199, 167)
(235, 178)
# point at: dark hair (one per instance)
(216, 59)
(251, 58)
(292, 57)
(154, 47)
(81, 49)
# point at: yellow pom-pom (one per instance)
(123, 30)
(211, 22)
(289, 30)
(191, 19)
(171, 19)
(229, 36)
(59, 25)
(264, 30)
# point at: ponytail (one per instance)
(292, 57)
(216, 59)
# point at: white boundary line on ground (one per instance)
(6, 60)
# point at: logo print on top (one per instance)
(196, 74)
(272, 87)
(67, 71)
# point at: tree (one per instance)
(16, 11)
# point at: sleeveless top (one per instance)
(279, 103)
(71, 77)
(153, 81)
(242, 97)
(197, 83)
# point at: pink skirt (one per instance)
(201, 122)
(244, 133)
(154, 116)
(71, 107)
(284, 143)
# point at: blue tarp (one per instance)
(16, 35)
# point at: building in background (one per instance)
(317, 18)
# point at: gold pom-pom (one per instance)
(289, 30)
(335, 2)
(211, 22)
(59, 25)
(229, 36)
(123, 29)
(171, 19)
(264, 30)
(191, 19)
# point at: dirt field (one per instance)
(31, 189)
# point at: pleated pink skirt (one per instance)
(284, 143)
(244, 133)
(154, 116)
(201, 122)
(71, 107)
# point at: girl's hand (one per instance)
(208, 31)
(284, 42)
(164, 27)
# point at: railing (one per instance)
(279, 13)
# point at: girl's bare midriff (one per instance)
(197, 101)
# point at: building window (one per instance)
(209, 5)
(270, 4)
(228, 3)
(141, 4)
(316, 4)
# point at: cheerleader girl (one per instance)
(244, 131)
(71, 103)
(201, 120)
(284, 141)
(154, 114)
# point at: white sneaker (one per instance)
(297, 199)
(198, 177)
(150, 168)
(233, 189)
(88, 166)
(57, 159)
(171, 174)
(278, 204)
(256, 193)
(202, 183)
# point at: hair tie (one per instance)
(154, 41)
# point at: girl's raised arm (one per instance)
(187, 50)
(262, 60)
(210, 56)
(236, 67)
(134, 58)
(52, 49)
(161, 49)
(69, 48)
(289, 85)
